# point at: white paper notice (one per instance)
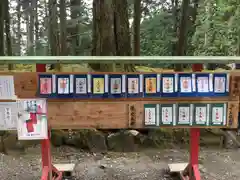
(202, 84)
(219, 84)
(8, 115)
(186, 84)
(201, 115)
(150, 116)
(184, 115)
(32, 120)
(217, 115)
(7, 87)
(167, 115)
(167, 85)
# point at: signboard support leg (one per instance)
(193, 171)
(49, 172)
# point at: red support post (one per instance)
(194, 142)
(47, 167)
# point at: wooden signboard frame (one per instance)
(111, 113)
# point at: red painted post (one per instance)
(194, 141)
(45, 144)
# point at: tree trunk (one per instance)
(74, 30)
(53, 32)
(111, 34)
(2, 28)
(182, 37)
(36, 25)
(103, 39)
(31, 30)
(8, 34)
(137, 21)
(19, 28)
(175, 26)
(63, 28)
(121, 31)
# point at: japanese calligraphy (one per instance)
(167, 117)
(81, 85)
(63, 86)
(98, 85)
(201, 115)
(217, 115)
(186, 84)
(167, 85)
(150, 117)
(45, 85)
(115, 85)
(151, 85)
(133, 85)
(203, 84)
(184, 115)
(219, 84)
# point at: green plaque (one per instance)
(151, 114)
(201, 114)
(184, 114)
(218, 115)
(167, 114)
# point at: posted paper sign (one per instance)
(184, 114)
(201, 114)
(8, 116)
(7, 87)
(32, 119)
(150, 115)
(218, 117)
(167, 114)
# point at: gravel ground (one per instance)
(144, 165)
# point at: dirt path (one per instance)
(144, 165)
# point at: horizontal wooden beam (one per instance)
(119, 59)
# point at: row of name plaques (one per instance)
(133, 85)
(185, 114)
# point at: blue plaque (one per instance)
(186, 84)
(99, 85)
(81, 86)
(134, 85)
(169, 85)
(46, 85)
(221, 84)
(204, 84)
(151, 85)
(64, 86)
(117, 85)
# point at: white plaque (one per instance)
(32, 119)
(201, 115)
(81, 85)
(150, 116)
(167, 115)
(186, 84)
(133, 84)
(203, 84)
(219, 84)
(184, 115)
(116, 85)
(217, 115)
(7, 87)
(8, 115)
(168, 85)
(63, 85)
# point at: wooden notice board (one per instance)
(126, 100)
